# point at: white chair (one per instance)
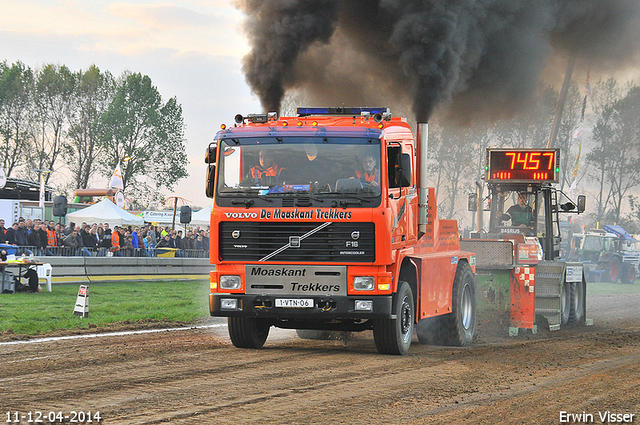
(44, 272)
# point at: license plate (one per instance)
(294, 303)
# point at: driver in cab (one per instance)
(521, 214)
(266, 172)
(368, 173)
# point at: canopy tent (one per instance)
(105, 211)
(202, 217)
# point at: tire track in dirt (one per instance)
(198, 377)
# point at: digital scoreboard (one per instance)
(522, 165)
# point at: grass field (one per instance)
(613, 288)
(109, 303)
(112, 304)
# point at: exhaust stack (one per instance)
(422, 139)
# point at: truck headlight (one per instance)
(363, 283)
(230, 282)
(228, 304)
(364, 305)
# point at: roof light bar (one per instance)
(341, 110)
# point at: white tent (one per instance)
(201, 218)
(105, 211)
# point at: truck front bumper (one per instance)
(324, 307)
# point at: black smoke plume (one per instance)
(475, 57)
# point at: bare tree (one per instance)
(605, 95)
(94, 91)
(624, 173)
(54, 96)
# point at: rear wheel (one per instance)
(576, 313)
(393, 336)
(614, 270)
(628, 273)
(458, 327)
(248, 332)
(565, 299)
(432, 330)
(462, 320)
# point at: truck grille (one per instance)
(295, 241)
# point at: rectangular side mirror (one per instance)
(211, 176)
(210, 154)
(472, 202)
(405, 174)
(582, 203)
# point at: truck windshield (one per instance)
(317, 166)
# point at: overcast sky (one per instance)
(191, 49)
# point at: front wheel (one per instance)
(248, 332)
(393, 336)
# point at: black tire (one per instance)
(565, 303)
(393, 336)
(576, 313)
(628, 273)
(248, 332)
(461, 323)
(313, 334)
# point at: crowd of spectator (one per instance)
(47, 238)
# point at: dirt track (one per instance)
(197, 376)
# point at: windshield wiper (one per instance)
(247, 202)
(358, 197)
(304, 195)
(344, 203)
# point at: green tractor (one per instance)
(600, 251)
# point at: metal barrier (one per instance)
(85, 270)
(65, 251)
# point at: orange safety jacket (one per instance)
(115, 241)
(52, 238)
(369, 177)
(257, 172)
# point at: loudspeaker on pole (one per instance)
(185, 214)
(59, 206)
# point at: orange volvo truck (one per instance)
(324, 222)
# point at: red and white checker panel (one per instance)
(526, 276)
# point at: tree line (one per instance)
(88, 121)
(605, 156)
